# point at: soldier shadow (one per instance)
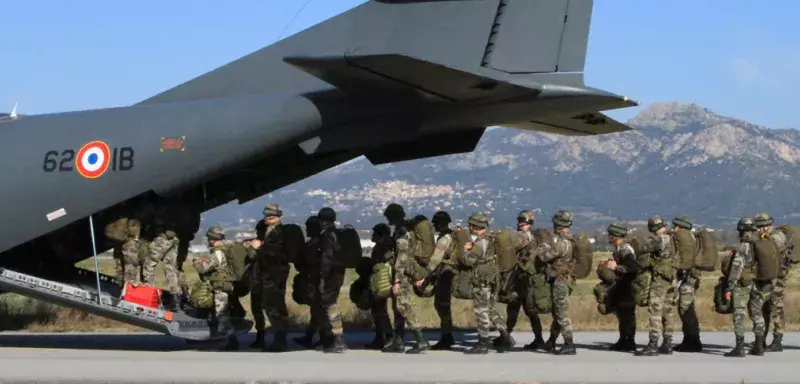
(121, 342)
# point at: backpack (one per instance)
(200, 295)
(583, 257)
(543, 236)
(685, 249)
(793, 242)
(504, 249)
(707, 251)
(423, 236)
(117, 229)
(294, 242)
(380, 282)
(641, 245)
(460, 237)
(348, 250)
(236, 256)
(766, 258)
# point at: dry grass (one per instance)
(22, 313)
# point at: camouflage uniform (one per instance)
(622, 293)
(403, 304)
(382, 252)
(560, 259)
(126, 255)
(485, 286)
(777, 317)
(442, 299)
(687, 295)
(523, 281)
(272, 273)
(329, 279)
(307, 266)
(213, 269)
(164, 248)
(748, 294)
(660, 306)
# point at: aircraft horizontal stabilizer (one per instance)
(462, 141)
(585, 124)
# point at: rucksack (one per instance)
(767, 258)
(685, 250)
(583, 257)
(117, 229)
(294, 242)
(236, 257)
(460, 238)
(424, 237)
(348, 251)
(504, 249)
(792, 242)
(707, 252)
(641, 245)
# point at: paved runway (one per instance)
(157, 358)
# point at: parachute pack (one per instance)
(504, 249)
(767, 258)
(793, 242)
(707, 252)
(685, 249)
(583, 257)
(236, 256)
(294, 241)
(642, 245)
(460, 238)
(423, 237)
(349, 250)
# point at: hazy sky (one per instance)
(738, 58)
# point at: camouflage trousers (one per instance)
(561, 289)
(523, 286)
(442, 300)
(686, 304)
(127, 260)
(759, 294)
(741, 298)
(777, 317)
(268, 294)
(328, 318)
(221, 303)
(660, 309)
(484, 298)
(403, 306)
(162, 250)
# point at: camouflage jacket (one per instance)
(558, 257)
(444, 248)
(525, 243)
(272, 251)
(214, 267)
(404, 243)
(161, 245)
(329, 243)
(479, 253)
(781, 242)
(742, 263)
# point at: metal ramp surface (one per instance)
(80, 296)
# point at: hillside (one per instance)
(680, 159)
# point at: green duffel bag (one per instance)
(601, 295)
(462, 284)
(542, 297)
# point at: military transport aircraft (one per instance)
(391, 80)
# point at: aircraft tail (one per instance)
(542, 41)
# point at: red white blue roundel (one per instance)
(93, 159)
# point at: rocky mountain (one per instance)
(680, 159)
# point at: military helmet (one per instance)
(215, 233)
(478, 219)
(312, 220)
(746, 224)
(763, 220)
(441, 217)
(526, 216)
(326, 214)
(617, 230)
(272, 210)
(382, 229)
(682, 221)
(655, 223)
(394, 210)
(562, 219)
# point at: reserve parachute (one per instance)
(583, 257)
(707, 252)
(767, 258)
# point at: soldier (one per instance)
(660, 302)
(560, 258)
(309, 266)
(444, 284)
(256, 288)
(330, 280)
(747, 292)
(214, 270)
(404, 267)
(382, 252)
(687, 293)
(164, 248)
(523, 283)
(273, 271)
(764, 223)
(624, 264)
(127, 254)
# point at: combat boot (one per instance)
(259, 342)
(421, 345)
(174, 302)
(651, 349)
(567, 349)
(738, 350)
(232, 345)
(481, 348)
(758, 346)
(629, 344)
(378, 342)
(446, 342)
(278, 343)
(690, 344)
(307, 340)
(336, 345)
(776, 345)
(550, 345)
(505, 342)
(666, 346)
(619, 345)
(395, 346)
(537, 343)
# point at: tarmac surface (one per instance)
(147, 357)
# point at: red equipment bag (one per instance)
(142, 294)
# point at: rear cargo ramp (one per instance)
(178, 324)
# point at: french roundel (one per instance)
(93, 159)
